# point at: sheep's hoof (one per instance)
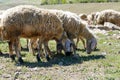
(68, 53)
(76, 48)
(96, 49)
(20, 60)
(59, 52)
(48, 58)
(12, 57)
(38, 58)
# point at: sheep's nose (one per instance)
(88, 52)
(68, 53)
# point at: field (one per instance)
(102, 64)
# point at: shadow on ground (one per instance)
(59, 59)
(83, 50)
(63, 60)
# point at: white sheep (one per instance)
(29, 22)
(111, 16)
(75, 27)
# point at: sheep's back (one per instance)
(30, 21)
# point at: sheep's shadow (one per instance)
(63, 60)
(24, 49)
(83, 50)
(6, 55)
(58, 59)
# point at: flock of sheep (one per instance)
(39, 26)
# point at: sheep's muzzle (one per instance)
(68, 53)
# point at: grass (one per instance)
(95, 66)
(87, 67)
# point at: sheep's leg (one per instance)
(59, 46)
(17, 50)
(30, 46)
(80, 38)
(10, 43)
(73, 46)
(83, 41)
(27, 43)
(39, 50)
(77, 42)
(47, 51)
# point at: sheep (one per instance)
(29, 22)
(75, 27)
(111, 16)
(63, 15)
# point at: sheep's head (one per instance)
(90, 18)
(68, 47)
(100, 20)
(91, 45)
(65, 44)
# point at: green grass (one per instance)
(91, 67)
(87, 67)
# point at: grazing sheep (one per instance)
(75, 27)
(29, 22)
(111, 16)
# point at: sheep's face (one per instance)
(68, 47)
(100, 20)
(90, 19)
(91, 45)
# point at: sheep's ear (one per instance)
(93, 44)
(83, 16)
